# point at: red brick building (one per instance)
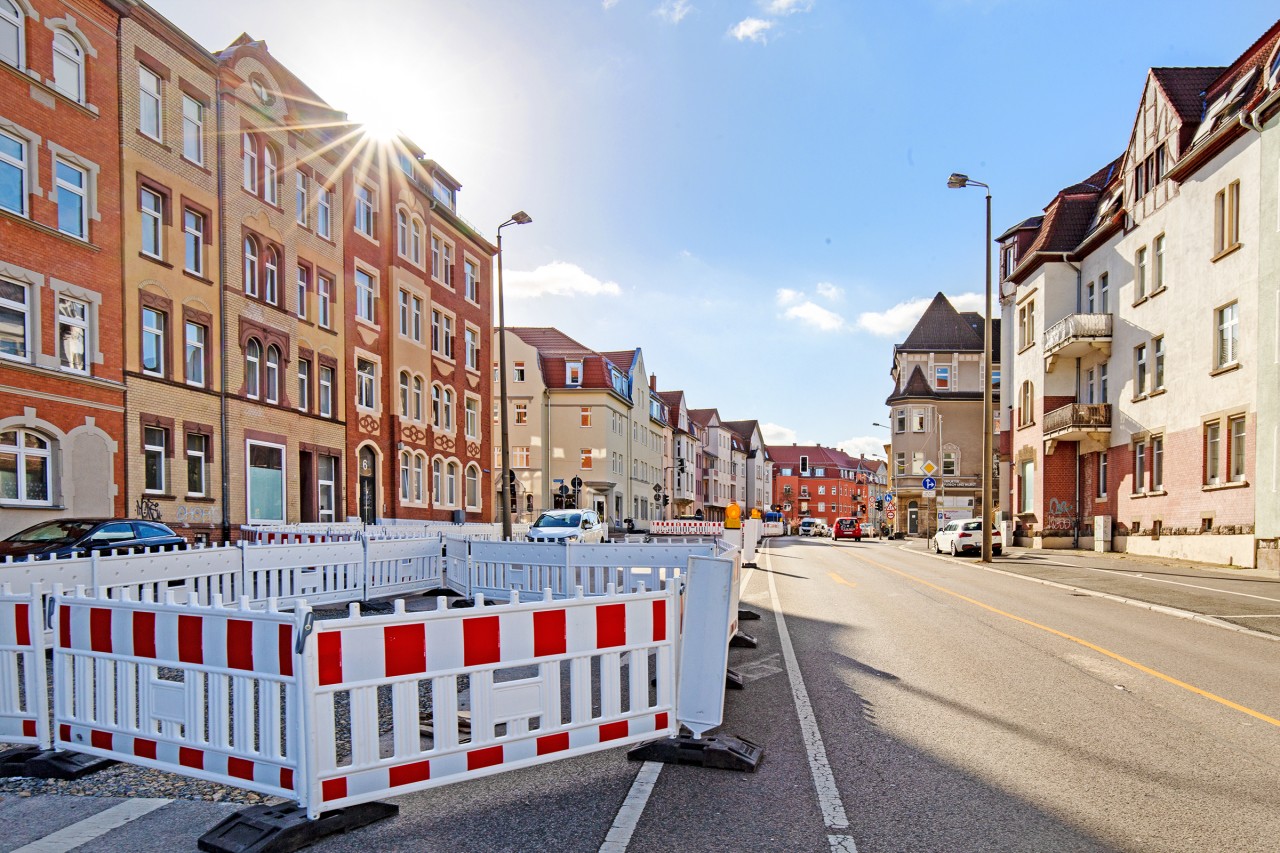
(812, 481)
(61, 375)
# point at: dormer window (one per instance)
(573, 373)
(445, 193)
(804, 465)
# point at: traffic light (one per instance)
(680, 464)
(879, 505)
(666, 500)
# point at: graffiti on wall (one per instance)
(1062, 515)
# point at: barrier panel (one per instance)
(399, 566)
(497, 568)
(516, 658)
(629, 566)
(204, 572)
(24, 709)
(301, 533)
(209, 692)
(457, 568)
(324, 573)
(685, 527)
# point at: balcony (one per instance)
(1075, 336)
(1089, 423)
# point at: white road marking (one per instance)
(1154, 580)
(833, 813)
(746, 579)
(71, 837)
(629, 815)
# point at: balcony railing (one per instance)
(1076, 334)
(1077, 418)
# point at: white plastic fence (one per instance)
(681, 527)
(498, 568)
(24, 711)
(312, 532)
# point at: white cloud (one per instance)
(864, 445)
(751, 29)
(815, 315)
(898, 321)
(673, 11)
(829, 291)
(785, 7)
(775, 434)
(557, 278)
(609, 4)
(787, 296)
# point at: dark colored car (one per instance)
(71, 536)
(847, 528)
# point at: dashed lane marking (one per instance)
(632, 807)
(835, 577)
(82, 832)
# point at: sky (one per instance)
(752, 191)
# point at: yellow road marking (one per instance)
(835, 577)
(1088, 645)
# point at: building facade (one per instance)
(812, 481)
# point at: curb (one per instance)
(1146, 605)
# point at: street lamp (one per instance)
(517, 218)
(955, 182)
(882, 426)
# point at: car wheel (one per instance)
(996, 551)
(954, 553)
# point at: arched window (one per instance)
(446, 415)
(405, 458)
(250, 155)
(417, 398)
(437, 472)
(473, 486)
(11, 30)
(271, 277)
(273, 374)
(68, 66)
(250, 266)
(419, 466)
(402, 233)
(451, 484)
(1026, 402)
(435, 405)
(404, 393)
(270, 187)
(252, 368)
(26, 464)
(415, 241)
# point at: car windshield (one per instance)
(548, 520)
(54, 531)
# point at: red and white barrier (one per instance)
(685, 527)
(24, 711)
(497, 568)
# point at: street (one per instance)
(906, 702)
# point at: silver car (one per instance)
(569, 525)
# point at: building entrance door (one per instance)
(913, 518)
(368, 486)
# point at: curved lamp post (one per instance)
(517, 218)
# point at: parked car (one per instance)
(65, 537)
(846, 528)
(813, 527)
(868, 529)
(569, 525)
(964, 534)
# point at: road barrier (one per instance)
(498, 568)
(24, 713)
(304, 533)
(683, 527)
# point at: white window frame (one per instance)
(22, 454)
(1237, 436)
(197, 348)
(471, 336)
(573, 373)
(1226, 335)
(364, 210)
(248, 480)
(366, 384)
(270, 175)
(21, 165)
(471, 272)
(201, 454)
(304, 384)
(1212, 432)
(12, 20)
(249, 161)
(193, 234)
(159, 333)
(192, 130)
(81, 193)
(302, 290)
(81, 323)
(251, 265)
(324, 303)
(253, 369)
(149, 447)
(471, 406)
(324, 212)
(366, 294)
(73, 57)
(152, 222)
(271, 374)
(326, 486)
(271, 275)
(324, 392)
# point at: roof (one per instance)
(918, 387)
(702, 417)
(1067, 219)
(556, 349)
(550, 341)
(1185, 87)
(819, 456)
(674, 399)
(624, 358)
(941, 329)
(1029, 224)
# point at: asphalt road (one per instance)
(905, 702)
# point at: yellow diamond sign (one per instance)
(929, 468)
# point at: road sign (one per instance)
(564, 490)
(928, 484)
(889, 514)
(929, 493)
(929, 468)
(576, 482)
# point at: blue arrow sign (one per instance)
(928, 484)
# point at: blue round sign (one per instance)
(929, 484)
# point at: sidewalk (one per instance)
(1241, 599)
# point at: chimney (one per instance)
(653, 382)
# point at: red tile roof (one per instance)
(1185, 87)
(555, 349)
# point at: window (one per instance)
(73, 213)
(154, 441)
(473, 348)
(437, 474)
(900, 420)
(522, 413)
(473, 487)
(193, 241)
(1157, 378)
(1139, 467)
(917, 462)
(13, 173)
(68, 66)
(1157, 464)
(918, 420)
(451, 484)
(1026, 487)
(250, 266)
(436, 394)
(364, 295)
(323, 208)
(325, 401)
(1026, 402)
(441, 261)
(1227, 321)
(266, 482)
(447, 411)
(402, 233)
(194, 353)
(942, 378)
(417, 398)
(1212, 442)
(300, 198)
(197, 452)
(415, 241)
(304, 384)
(192, 129)
(301, 289)
(1226, 219)
(326, 487)
(406, 463)
(1100, 487)
(1157, 273)
(73, 334)
(270, 176)
(152, 216)
(472, 273)
(1104, 292)
(441, 333)
(323, 288)
(1140, 370)
(520, 457)
(584, 416)
(1140, 274)
(11, 28)
(26, 469)
(949, 463)
(153, 333)
(419, 466)
(1236, 448)
(404, 394)
(517, 371)
(472, 418)
(404, 313)
(1091, 298)
(364, 210)
(1102, 383)
(1027, 324)
(573, 372)
(252, 369)
(366, 384)
(585, 459)
(273, 374)
(249, 156)
(271, 276)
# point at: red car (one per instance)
(847, 528)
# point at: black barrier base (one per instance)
(284, 827)
(747, 615)
(37, 763)
(13, 762)
(722, 752)
(733, 681)
(742, 641)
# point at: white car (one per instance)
(569, 525)
(813, 527)
(868, 530)
(964, 534)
